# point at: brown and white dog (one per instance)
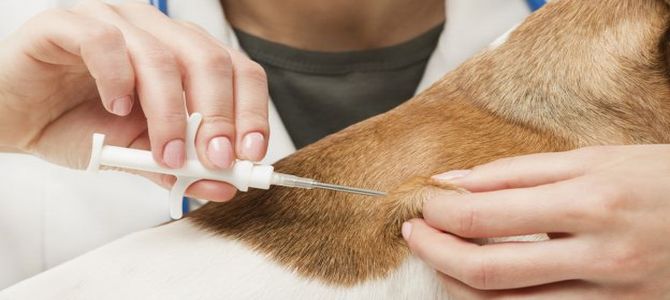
(576, 73)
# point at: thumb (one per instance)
(517, 172)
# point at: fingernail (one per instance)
(122, 106)
(253, 145)
(452, 175)
(173, 154)
(220, 152)
(406, 230)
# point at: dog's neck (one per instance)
(555, 85)
(595, 71)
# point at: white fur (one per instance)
(180, 261)
(502, 39)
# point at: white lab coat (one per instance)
(50, 214)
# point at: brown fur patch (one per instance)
(557, 84)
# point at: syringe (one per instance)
(242, 175)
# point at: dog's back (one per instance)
(181, 261)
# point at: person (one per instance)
(128, 71)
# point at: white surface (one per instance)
(21, 235)
(177, 261)
(49, 214)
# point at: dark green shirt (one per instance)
(319, 93)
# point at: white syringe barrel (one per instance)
(243, 174)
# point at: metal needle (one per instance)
(308, 183)
(347, 189)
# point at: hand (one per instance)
(128, 71)
(607, 209)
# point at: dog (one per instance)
(576, 73)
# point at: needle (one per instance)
(347, 189)
(308, 183)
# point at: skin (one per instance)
(335, 26)
(606, 209)
(122, 71)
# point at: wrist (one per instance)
(9, 133)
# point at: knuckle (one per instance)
(507, 166)
(252, 71)
(120, 75)
(170, 117)
(102, 32)
(466, 221)
(577, 212)
(478, 274)
(609, 198)
(216, 59)
(624, 259)
(253, 119)
(218, 120)
(159, 58)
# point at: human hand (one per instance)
(128, 71)
(606, 208)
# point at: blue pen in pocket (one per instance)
(536, 4)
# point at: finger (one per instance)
(556, 208)
(516, 172)
(251, 103)
(159, 85)
(208, 82)
(101, 47)
(495, 266)
(212, 191)
(251, 113)
(205, 189)
(561, 290)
